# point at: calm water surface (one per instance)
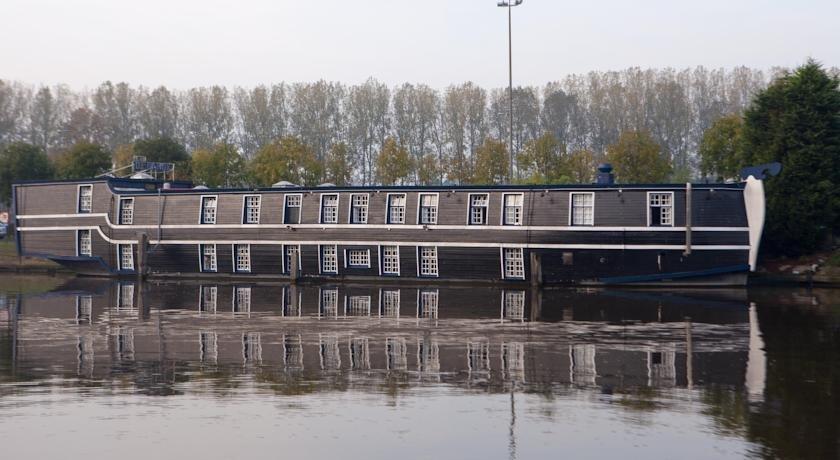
(99, 369)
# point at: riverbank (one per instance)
(11, 263)
(821, 269)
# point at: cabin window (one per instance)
(85, 198)
(85, 246)
(208, 209)
(242, 258)
(390, 260)
(126, 256)
(583, 208)
(242, 300)
(126, 211)
(208, 299)
(291, 213)
(396, 209)
(359, 208)
(329, 302)
(291, 255)
(329, 209)
(329, 259)
(428, 208)
(661, 209)
(513, 263)
(427, 304)
(357, 258)
(208, 258)
(478, 209)
(251, 214)
(390, 303)
(513, 210)
(428, 261)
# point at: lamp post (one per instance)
(509, 5)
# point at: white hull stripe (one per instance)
(405, 243)
(390, 226)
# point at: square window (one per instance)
(478, 209)
(428, 209)
(242, 258)
(85, 245)
(252, 209)
(428, 261)
(329, 209)
(126, 211)
(126, 256)
(513, 263)
(85, 198)
(329, 259)
(208, 210)
(208, 257)
(358, 258)
(359, 208)
(583, 208)
(390, 260)
(513, 209)
(396, 209)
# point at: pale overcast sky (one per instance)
(183, 43)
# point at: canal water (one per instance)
(95, 368)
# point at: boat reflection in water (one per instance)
(159, 336)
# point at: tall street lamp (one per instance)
(509, 5)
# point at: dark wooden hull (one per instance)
(710, 245)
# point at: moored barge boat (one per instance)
(593, 234)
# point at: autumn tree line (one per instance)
(652, 125)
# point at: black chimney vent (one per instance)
(605, 175)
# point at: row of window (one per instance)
(427, 257)
(427, 260)
(581, 208)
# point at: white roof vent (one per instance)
(141, 175)
(283, 184)
(200, 187)
(326, 184)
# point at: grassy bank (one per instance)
(10, 262)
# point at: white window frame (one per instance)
(121, 211)
(649, 206)
(572, 209)
(201, 210)
(382, 264)
(79, 209)
(201, 267)
(321, 207)
(299, 206)
(120, 262)
(521, 258)
(235, 257)
(348, 257)
(321, 259)
(420, 207)
(365, 207)
(470, 209)
(245, 209)
(521, 209)
(79, 243)
(388, 208)
(420, 273)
